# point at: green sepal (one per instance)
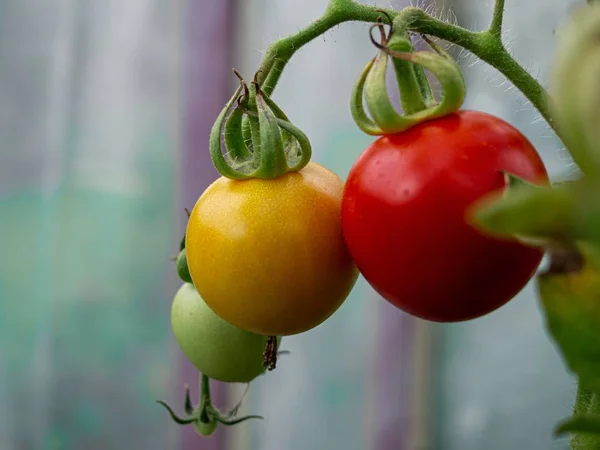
(299, 150)
(273, 161)
(230, 422)
(377, 98)
(289, 140)
(215, 415)
(357, 109)
(188, 407)
(424, 86)
(178, 420)
(219, 161)
(247, 133)
(234, 138)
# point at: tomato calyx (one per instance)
(205, 417)
(416, 96)
(259, 139)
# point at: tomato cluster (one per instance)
(278, 257)
(274, 246)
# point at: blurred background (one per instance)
(105, 110)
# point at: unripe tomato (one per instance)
(268, 256)
(216, 348)
(404, 216)
(182, 268)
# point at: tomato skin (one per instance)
(216, 348)
(269, 256)
(405, 216)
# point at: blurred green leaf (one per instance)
(566, 213)
(531, 213)
(575, 88)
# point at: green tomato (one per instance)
(217, 349)
(182, 267)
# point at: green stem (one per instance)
(486, 45)
(583, 400)
(204, 398)
(280, 52)
(496, 26)
(274, 74)
(204, 388)
(587, 405)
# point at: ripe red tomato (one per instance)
(404, 216)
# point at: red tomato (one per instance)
(404, 216)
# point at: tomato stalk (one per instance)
(205, 400)
(497, 19)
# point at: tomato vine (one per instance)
(486, 45)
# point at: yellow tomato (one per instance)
(268, 256)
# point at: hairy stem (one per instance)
(486, 45)
(280, 52)
(496, 26)
(583, 400)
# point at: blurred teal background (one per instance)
(105, 109)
